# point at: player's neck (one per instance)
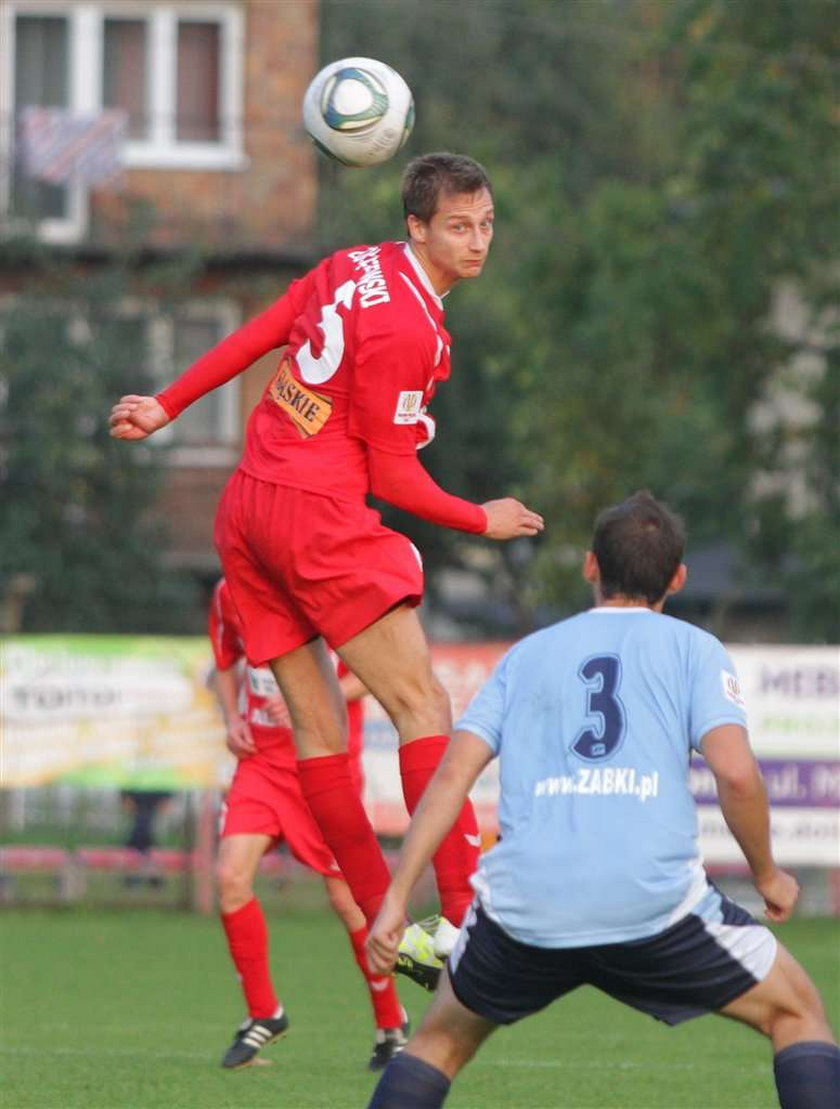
(627, 602)
(440, 283)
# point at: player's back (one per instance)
(593, 720)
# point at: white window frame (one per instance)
(162, 150)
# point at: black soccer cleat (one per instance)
(389, 1042)
(251, 1037)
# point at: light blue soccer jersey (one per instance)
(593, 720)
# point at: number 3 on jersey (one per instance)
(315, 371)
(601, 676)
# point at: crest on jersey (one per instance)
(731, 688)
(408, 407)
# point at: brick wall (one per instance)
(271, 202)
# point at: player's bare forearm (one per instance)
(743, 802)
(465, 758)
(226, 685)
(745, 810)
(239, 739)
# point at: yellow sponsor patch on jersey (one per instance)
(308, 410)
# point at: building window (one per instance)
(198, 82)
(161, 343)
(212, 421)
(41, 79)
(125, 72)
(176, 69)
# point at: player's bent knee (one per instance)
(234, 885)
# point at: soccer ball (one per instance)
(358, 111)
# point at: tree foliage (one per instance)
(661, 171)
(75, 526)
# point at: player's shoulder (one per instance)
(691, 633)
(540, 643)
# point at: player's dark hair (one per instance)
(427, 178)
(639, 546)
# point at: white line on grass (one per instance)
(122, 1053)
(601, 1064)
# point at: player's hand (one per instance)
(240, 742)
(780, 892)
(134, 417)
(508, 519)
(277, 712)
(385, 935)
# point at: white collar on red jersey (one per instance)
(421, 274)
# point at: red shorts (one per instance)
(300, 565)
(265, 799)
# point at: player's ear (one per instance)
(591, 571)
(678, 580)
(416, 228)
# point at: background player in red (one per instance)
(264, 807)
(307, 560)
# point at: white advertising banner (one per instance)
(136, 712)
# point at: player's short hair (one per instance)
(427, 178)
(639, 546)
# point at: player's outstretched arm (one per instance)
(239, 740)
(135, 417)
(743, 801)
(465, 758)
(401, 480)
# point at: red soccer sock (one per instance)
(387, 1011)
(457, 857)
(247, 937)
(334, 802)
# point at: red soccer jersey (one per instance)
(366, 347)
(225, 632)
(364, 357)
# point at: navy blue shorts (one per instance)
(698, 965)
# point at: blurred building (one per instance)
(181, 119)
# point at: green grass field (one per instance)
(133, 1009)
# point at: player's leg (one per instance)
(309, 685)
(306, 843)
(718, 959)
(786, 1007)
(392, 658)
(247, 935)
(390, 1018)
(448, 1037)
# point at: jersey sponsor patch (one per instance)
(731, 688)
(308, 410)
(408, 407)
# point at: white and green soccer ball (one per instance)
(358, 111)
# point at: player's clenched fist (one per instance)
(508, 518)
(134, 417)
